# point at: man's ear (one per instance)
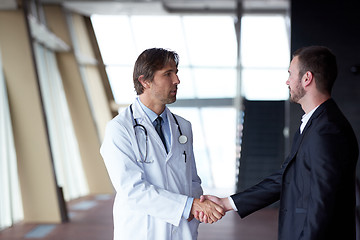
(144, 82)
(308, 78)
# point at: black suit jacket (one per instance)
(316, 183)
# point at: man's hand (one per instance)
(222, 202)
(211, 210)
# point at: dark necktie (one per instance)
(159, 130)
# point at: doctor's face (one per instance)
(163, 87)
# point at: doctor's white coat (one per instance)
(150, 197)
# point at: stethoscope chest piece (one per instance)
(183, 139)
(143, 157)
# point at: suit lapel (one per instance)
(296, 143)
(299, 137)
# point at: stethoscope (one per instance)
(182, 138)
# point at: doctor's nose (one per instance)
(176, 80)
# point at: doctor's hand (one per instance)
(222, 202)
(211, 210)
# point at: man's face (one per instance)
(297, 92)
(163, 88)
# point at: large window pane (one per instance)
(115, 38)
(207, 48)
(214, 144)
(186, 88)
(207, 83)
(121, 82)
(211, 40)
(215, 82)
(168, 34)
(264, 42)
(265, 84)
(265, 57)
(208, 54)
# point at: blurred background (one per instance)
(66, 70)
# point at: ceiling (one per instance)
(89, 7)
(8, 4)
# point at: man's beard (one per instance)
(298, 94)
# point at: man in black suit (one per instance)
(316, 183)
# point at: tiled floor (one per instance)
(91, 219)
(257, 226)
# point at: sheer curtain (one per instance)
(11, 210)
(68, 167)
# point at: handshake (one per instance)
(209, 209)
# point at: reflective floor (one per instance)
(258, 226)
(91, 219)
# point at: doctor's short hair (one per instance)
(150, 61)
(321, 62)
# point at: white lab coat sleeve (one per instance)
(128, 177)
(197, 190)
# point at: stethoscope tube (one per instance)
(182, 138)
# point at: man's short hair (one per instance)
(321, 62)
(150, 61)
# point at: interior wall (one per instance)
(90, 73)
(335, 24)
(101, 68)
(80, 109)
(36, 174)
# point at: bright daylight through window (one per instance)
(207, 47)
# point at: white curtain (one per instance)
(68, 167)
(11, 209)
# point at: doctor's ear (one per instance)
(144, 82)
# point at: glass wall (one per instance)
(265, 57)
(207, 47)
(207, 70)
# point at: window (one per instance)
(207, 70)
(207, 48)
(265, 54)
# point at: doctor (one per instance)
(154, 173)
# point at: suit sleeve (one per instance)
(259, 196)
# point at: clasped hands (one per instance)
(209, 209)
